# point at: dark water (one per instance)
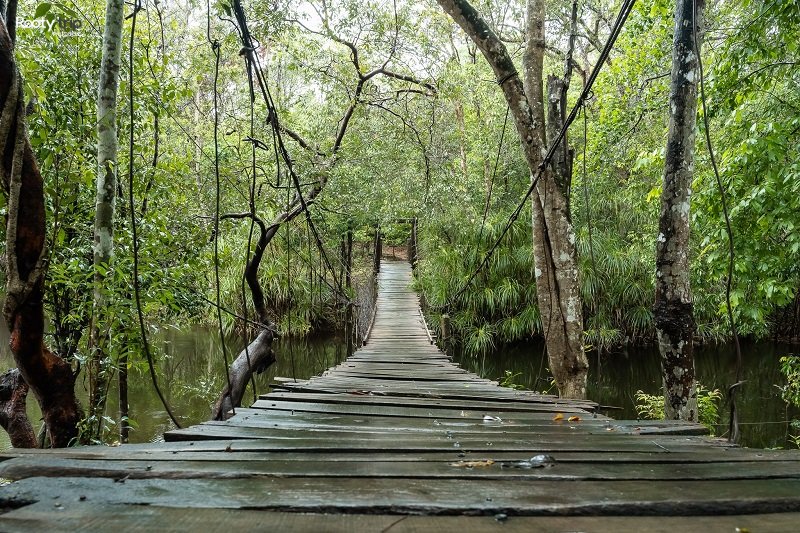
(615, 378)
(191, 373)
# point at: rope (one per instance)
(215, 48)
(733, 435)
(586, 191)
(281, 153)
(289, 292)
(252, 206)
(587, 91)
(136, 289)
(491, 183)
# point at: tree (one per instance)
(49, 377)
(258, 354)
(555, 256)
(104, 208)
(673, 309)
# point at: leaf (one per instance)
(42, 9)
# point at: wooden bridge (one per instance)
(399, 438)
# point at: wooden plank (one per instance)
(415, 392)
(425, 412)
(491, 431)
(402, 401)
(91, 517)
(205, 451)
(324, 412)
(53, 466)
(425, 496)
(339, 438)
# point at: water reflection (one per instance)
(191, 374)
(615, 378)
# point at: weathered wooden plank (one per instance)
(425, 412)
(425, 496)
(322, 413)
(453, 420)
(91, 517)
(454, 429)
(53, 466)
(411, 401)
(333, 438)
(414, 392)
(205, 451)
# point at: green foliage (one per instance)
(406, 155)
(651, 407)
(790, 368)
(790, 391)
(509, 380)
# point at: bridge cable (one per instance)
(491, 183)
(136, 288)
(215, 48)
(289, 287)
(252, 207)
(248, 49)
(733, 426)
(625, 10)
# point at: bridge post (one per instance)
(348, 282)
(413, 253)
(444, 326)
(376, 265)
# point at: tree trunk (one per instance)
(48, 376)
(13, 415)
(11, 20)
(673, 309)
(256, 357)
(555, 257)
(104, 208)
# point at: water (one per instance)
(191, 374)
(615, 378)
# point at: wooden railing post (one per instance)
(444, 326)
(348, 283)
(376, 265)
(413, 254)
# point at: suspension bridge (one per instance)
(400, 438)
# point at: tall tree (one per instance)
(49, 377)
(673, 309)
(555, 256)
(106, 191)
(259, 355)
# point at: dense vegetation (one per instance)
(431, 139)
(754, 124)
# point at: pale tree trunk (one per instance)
(555, 256)
(673, 309)
(104, 207)
(49, 377)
